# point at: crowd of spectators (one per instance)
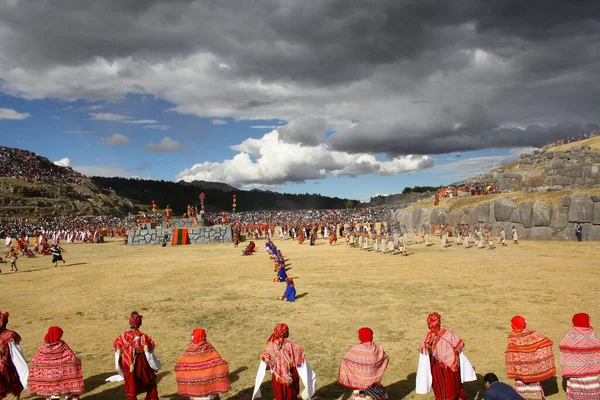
(473, 189)
(24, 164)
(15, 227)
(342, 216)
(574, 138)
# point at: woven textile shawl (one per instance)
(529, 356)
(362, 366)
(580, 353)
(130, 344)
(55, 370)
(281, 356)
(445, 347)
(201, 371)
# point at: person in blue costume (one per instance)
(290, 291)
(281, 275)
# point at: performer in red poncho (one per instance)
(13, 368)
(200, 372)
(287, 363)
(55, 369)
(442, 363)
(529, 359)
(136, 361)
(363, 365)
(580, 360)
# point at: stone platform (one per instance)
(214, 234)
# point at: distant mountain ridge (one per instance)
(210, 185)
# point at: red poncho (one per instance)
(55, 369)
(580, 349)
(529, 356)
(444, 345)
(364, 364)
(281, 355)
(200, 371)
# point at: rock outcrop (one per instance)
(537, 221)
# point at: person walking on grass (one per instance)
(56, 254)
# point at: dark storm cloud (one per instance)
(504, 61)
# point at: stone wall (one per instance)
(537, 221)
(215, 234)
(549, 171)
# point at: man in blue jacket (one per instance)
(496, 390)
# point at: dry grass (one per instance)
(593, 142)
(552, 198)
(340, 289)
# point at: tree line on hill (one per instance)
(179, 195)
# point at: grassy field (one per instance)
(340, 290)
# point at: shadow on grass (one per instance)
(301, 295)
(114, 392)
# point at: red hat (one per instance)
(54, 334)
(135, 320)
(280, 332)
(518, 323)
(434, 321)
(198, 335)
(581, 320)
(365, 335)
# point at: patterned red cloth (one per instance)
(131, 344)
(443, 344)
(282, 355)
(363, 365)
(446, 383)
(200, 371)
(55, 369)
(580, 350)
(9, 377)
(529, 356)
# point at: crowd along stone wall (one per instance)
(549, 171)
(537, 221)
(214, 234)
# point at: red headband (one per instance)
(198, 335)
(280, 332)
(518, 323)
(135, 320)
(581, 320)
(365, 335)
(54, 334)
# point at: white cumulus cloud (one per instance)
(108, 117)
(63, 162)
(7, 113)
(116, 140)
(167, 145)
(268, 161)
(218, 122)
